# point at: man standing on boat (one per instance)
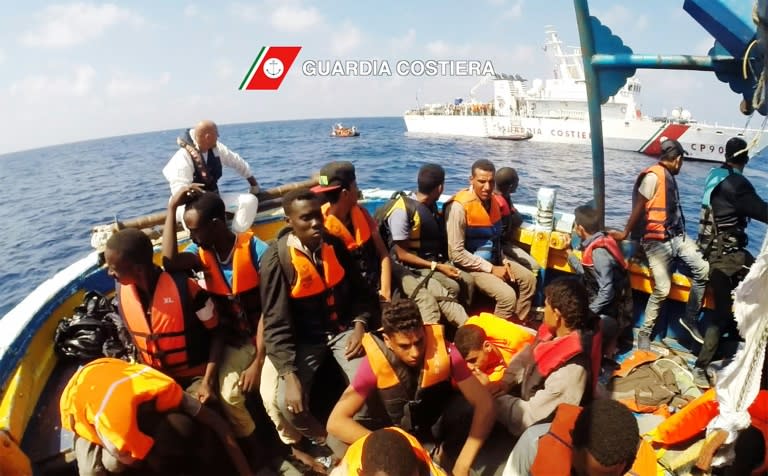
(416, 230)
(474, 226)
(657, 218)
(313, 298)
(200, 159)
(729, 202)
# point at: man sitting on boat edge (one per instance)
(406, 379)
(415, 232)
(230, 264)
(657, 218)
(351, 223)
(473, 222)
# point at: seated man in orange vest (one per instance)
(230, 264)
(562, 364)
(488, 344)
(387, 451)
(407, 375)
(351, 223)
(124, 414)
(474, 226)
(601, 439)
(169, 316)
(314, 304)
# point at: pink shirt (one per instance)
(364, 382)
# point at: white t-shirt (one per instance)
(648, 185)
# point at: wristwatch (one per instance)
(433, 265)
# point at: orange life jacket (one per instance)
(169, 336)
(360, 225)
(483, 231)
(245, 273)
(507, 337)
(308, 282)
(554, 456)
(692, 420)
(663, 215)
(354, 456)
(101, 401)
(427, 400)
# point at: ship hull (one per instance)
(703, 142)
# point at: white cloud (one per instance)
(404, 42)
(295, 18)
(37, 87)
(191, 10)
(62, 26)
(616, 16)
(514, 11)
(247, 12)
(346, 39)
(497, 2)
(126, 85)
(2, 56)
(441, 49)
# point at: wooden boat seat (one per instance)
(48, 446)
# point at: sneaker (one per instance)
(690, 326)
(700, 377)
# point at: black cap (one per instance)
(736, 151)
(670, 146)
(335, 175)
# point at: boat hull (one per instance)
(703, 142)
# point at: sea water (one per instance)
(54, 196)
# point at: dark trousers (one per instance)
(725, 273)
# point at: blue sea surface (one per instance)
(55, 195)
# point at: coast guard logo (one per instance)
(270, 67)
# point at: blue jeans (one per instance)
(661, 255)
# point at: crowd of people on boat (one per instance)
(427, 316)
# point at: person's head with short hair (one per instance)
(338, 182)
(303, 215)
(431, 180)
(736, 152)
(206, 135)
(472, 343)
(386, 452)
(671, 155)
(605, 439)
(403, 331)
(205, 219)
(482, 181)
(586, 221)
(507, 180)
(566, 306)
(128, 256)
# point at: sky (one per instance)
(74, 70)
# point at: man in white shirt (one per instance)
(200, 159)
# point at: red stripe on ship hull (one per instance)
(672, 131)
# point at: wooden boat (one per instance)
(32, 376)
(340, 131)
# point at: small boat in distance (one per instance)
(339, 130)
